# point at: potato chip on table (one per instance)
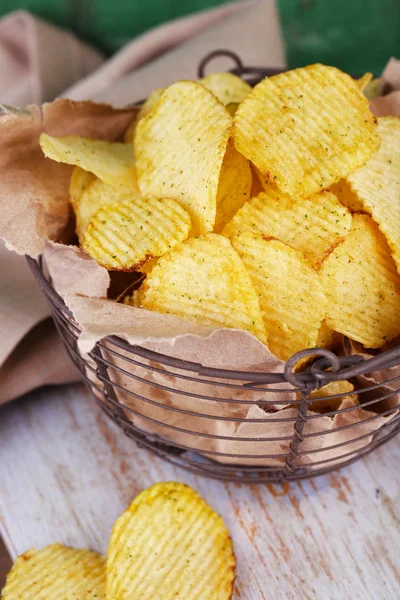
(362, 286)
(227, 87)
(111, 162)
(125, 235)
(292, 301)
(234, 186)
(306, 129)
(170, 544)
(94, 197)
(204, 280)
(180, 145)
(55, 573)
(314, 226)
(377, 184)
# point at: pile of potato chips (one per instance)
(168, 544)
(272, 209)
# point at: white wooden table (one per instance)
(66, 473)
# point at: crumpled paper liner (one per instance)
(389, 103)
(34, 196)
(39, 214)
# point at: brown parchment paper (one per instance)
(389, 103)
(38, 220)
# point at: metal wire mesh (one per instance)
(238, 425)
(194, 416)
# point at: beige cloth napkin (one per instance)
(38, 62)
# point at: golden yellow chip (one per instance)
(292, 301)
(124, 236)
(81, 180)
(306, 129)
(373, 89)
(314, 226)
(95, 196)
(377, 184)
(232, 108)
(205, 280)
(364, 81)
(227, 87)
(332, 389)
(347, 197)
(180, 145)
(328, 338)
(109, 161)
(362, 286)
(133, 299)
(170, 544)
(55, 573)
(142, 112)
(234, 186)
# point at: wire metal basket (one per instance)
(238, 425)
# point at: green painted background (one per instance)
(356, 35)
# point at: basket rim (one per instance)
(343, 367)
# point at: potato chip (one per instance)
(314, 226)
(328, 338)
(232, 108)
(133, 299)
(123, 236)
(256, 186)
(227, 87)
(373, 89)
(55, 573)
(306, 129)
(364, 81)
(170, 544)
(80, 182)
(234, 186)
(180, 145)
(142, 112)
(109, 161)
(346, 196)
(332, 389)
(377, 184)
(97, 195)
(362, 286)
(204, 280)
(291, 298)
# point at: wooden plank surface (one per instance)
(67, 472)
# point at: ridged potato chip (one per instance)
(111, 162)
(234, 186)
(204, 280)
(314, 226)
(180, 145)
(362, 286)
(124, 236)
(170, 544)
(94, 197)
(346, 196)
(377, 184)
(364, 81)
(81, 180)
(227, 87)
(306, 129)
(328, 338)
(55, 573)
(133, 299)
(332, 389)
(142, 112)
(292, 301)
